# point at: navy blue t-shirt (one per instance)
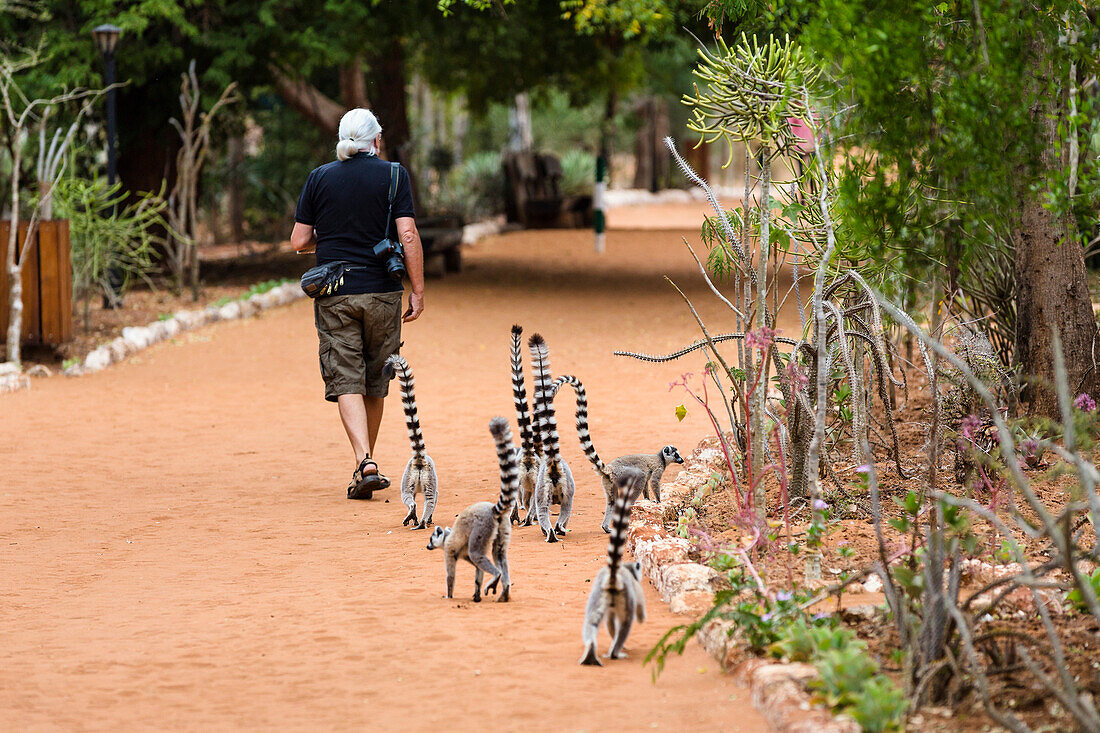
(346, 203)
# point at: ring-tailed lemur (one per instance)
(419, 476)
(530, 449)
(617, 593)
(652, 465)
(481, 531)
(554, 484)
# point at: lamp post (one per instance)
(106, 39)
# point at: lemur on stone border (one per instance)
(617, 593)
(481, 531)
(419, 476)
(531, 448)
(554, 484)
(652, 465)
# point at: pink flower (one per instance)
(969, 426)
(761, 339)
(1084, 402)
(796, 378)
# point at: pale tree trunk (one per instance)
(521, 137)
(758, 397)
(1052, 288)
(15, 270)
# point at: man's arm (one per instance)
(303, 238)
(414, 264)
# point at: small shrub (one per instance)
(474, 189)
(880, 706)
(578, 172)
(1075, 597)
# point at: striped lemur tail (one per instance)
(544, 406)
(509, 466)
(519, 394)
(408, 402)
(627, 484)
(582, 420)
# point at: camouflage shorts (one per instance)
(357, 333)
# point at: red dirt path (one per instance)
(176, 551)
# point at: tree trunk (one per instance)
(234, 186)
(1052, 289)
(387, 82)
(321, 111)
(644, 143)
(607, 130)
(520, 136)
(353, 85)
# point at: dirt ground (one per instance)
(176, 549)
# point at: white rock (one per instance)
(209, 315)
(171, 328)
(118, 350)
(873, 584)
(99, 359)
(185, 320)
(688, 577)
(158, 331)
(248, 308)
(13, 382)
(263, 301)
(39, 370)
(136, 337)
(230, 311)
(8, 368)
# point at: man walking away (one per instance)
(346, 209)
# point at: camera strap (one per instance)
(395, 173)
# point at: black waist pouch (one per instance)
(325, 279)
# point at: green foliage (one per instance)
(750, 92)
(879, 706)
(264, 287)
(104, 230)
(934, 112)
(578, 172)
(475, 189)
(849, 679)
(1077, 599)
(628, 18)
(272, 175)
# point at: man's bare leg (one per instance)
(374, 418)
(353, 413)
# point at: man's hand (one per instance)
(416, 307)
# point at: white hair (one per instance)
(358, 130)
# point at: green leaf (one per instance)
(681, 412)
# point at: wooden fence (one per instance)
(47, 284)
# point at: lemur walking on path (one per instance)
(481, 531)
(530, 447)
(617, 593)
(652, 465)
(419, 476)
(554, 484)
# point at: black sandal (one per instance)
(363, 484)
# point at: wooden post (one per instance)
(47, 285)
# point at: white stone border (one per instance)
(778, 690)
(138, 338)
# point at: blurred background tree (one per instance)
(969, 134)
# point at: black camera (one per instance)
(394, 256)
